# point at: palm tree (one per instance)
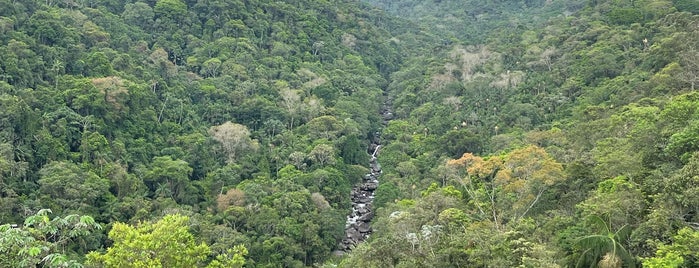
(605, 248)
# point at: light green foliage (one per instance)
(665, 260)
(618, 199)
(623, 153)
(233, 258)
(165, 243)
(42, 241)
(684, 143)
(446, 191)
(681, 253)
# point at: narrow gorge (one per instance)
(358, 225)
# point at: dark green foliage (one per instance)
(353, 152)
(687, 6)
(625, 15)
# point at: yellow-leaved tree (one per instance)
(506, 187)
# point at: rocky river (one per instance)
(358, 227)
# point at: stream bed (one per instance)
(358, 225)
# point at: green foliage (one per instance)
(352, 151)
(625, 15)
(680, 190)
(387, 192)
(253, 118)
(607, 76)
(169, 178)
(234, 258)
(42, 241)
(604, 248)
(681, 253)
(70, 188)
(686, 5)
(165, 243)
(685, 142)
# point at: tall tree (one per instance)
(170, 178)
(235, 139)
(165, 243)
(71, 188)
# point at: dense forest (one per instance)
(230, 133)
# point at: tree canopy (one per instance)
(226, 133)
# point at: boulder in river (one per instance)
(364, 227)
(353, 234)
(362, 211)
(369, 186)
(364, 199)
(366, 217)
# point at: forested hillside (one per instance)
(229, 133)
(248, 119)
(542, 134)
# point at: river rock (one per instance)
(353, 234)
(364, 227)
(362, 210)
(370, 186)
(387, 116)
(366, 217)
(364, 200)
(362, 195)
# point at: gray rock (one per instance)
(362, 195)
(354, 235)
(364, 227)
(366, 217)
(369, 186)
(362, 211)
(364, 200)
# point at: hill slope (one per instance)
(250, 117)
(530, 133)
(556, 141)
